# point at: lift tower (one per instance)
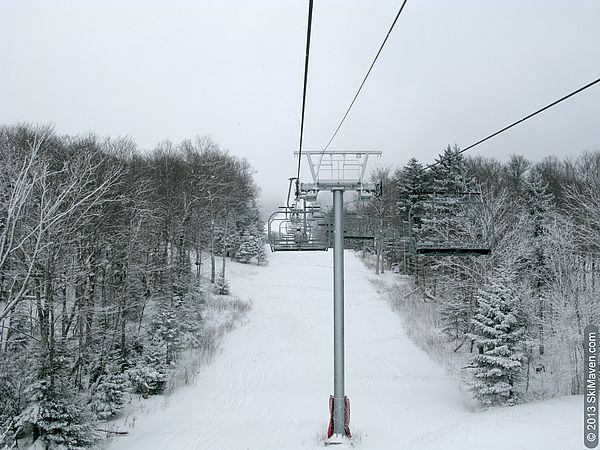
(338, 171)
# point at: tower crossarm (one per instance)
(338, 170)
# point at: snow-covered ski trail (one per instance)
(269, 387)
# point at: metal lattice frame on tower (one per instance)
(338, 171)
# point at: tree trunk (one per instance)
(213, 270)
(224, 247)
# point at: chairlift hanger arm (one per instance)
(290, 190)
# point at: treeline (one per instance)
(519, 313)
(101, 249)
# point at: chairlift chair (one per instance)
(297, 218)
(355, 227)
(463, 225)
(283, 226)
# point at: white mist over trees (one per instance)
(100, 287)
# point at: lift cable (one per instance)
(581, 89)
(308, 31)
(365, 79)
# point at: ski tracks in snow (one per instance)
(269, 387)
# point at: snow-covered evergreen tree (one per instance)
(252, 246)
(149, 374)
(108, 395)
(261, 256)
(189, 314)
(541, 212)
(449, 175)
(439, 217)
(166, 326)
(59, 416)
(411, 183)
(498, 334)
(15, 379)
(222, 286)
(61, 421)
(247, 250)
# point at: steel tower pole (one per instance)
(338, 313)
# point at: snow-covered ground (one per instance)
(269, 387)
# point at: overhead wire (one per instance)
(481, 141)
(366, 76)
(307, 55)
(361, 85)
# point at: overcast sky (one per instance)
(451, 72)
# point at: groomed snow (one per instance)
(269, 387)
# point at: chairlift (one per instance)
(450, 225)
(298, 226)
(296, 229)
(356, 227)
(302, 225)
